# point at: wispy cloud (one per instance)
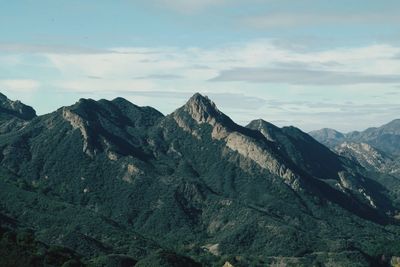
(302, 76)
(249, 75)
(161, 77)
(19, 85)
(282, 20)
(260, 61)
(188, 6)
(49, 49)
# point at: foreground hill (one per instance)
(193, 188)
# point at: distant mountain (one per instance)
(375, 148)
(366, 155)
(115, 182)
(385, 138)
(329, 137)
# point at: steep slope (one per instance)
(316, 160)
(192, 182)
(13, 114)
(248, 143)
(297, 145)
(366, 155)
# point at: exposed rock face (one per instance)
(213, 249)
(182, 123)
(348, 181)
(227, 264)
(364, 154)
(203, 111)
(78, 123)
(250, 149)
(132, 171)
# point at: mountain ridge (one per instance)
(193, 182)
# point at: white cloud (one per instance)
(250, 73)
(19, 85)
(189, 6)
(303, 76)
(285, 20)
(37, 49)
(100, 85)
(255, 61)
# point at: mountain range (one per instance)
(110, 183)
(376, 148)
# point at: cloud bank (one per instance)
(245, 79)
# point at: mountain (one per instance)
(296, 145)
(375, 148)
(115, 182)
(329, 137)
(366, 155)
(385, 138)
(14, 114)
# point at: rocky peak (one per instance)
(249, 143)
(16, 108)
(202, 109)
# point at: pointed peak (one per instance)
(202, 109)
(199, 99)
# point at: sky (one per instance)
(307, 63)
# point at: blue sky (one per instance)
(306, 63)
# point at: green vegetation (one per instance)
(127, 186)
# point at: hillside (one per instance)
(114, 182)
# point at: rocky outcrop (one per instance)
(78, 122)
(203, 111)
(131, 173)
(227, 264)
(352, 183)
(365, 155)
(248, 148)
